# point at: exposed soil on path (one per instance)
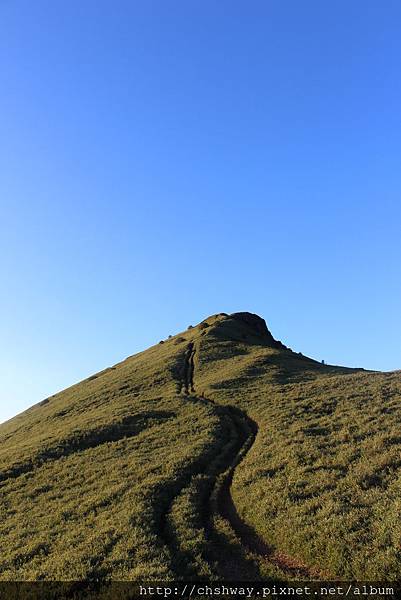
(245, 432)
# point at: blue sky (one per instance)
(163, 161)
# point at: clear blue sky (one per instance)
(162, 161)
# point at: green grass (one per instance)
(121, 475)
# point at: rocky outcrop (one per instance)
(258, 327)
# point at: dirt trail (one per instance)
(245, 432)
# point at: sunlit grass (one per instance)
(112, 477)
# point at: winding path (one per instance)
(219, 501)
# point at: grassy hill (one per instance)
(218, 453)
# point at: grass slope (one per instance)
(218, 453)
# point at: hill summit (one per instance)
(217, 453)
(254, 321)
(243, 323)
